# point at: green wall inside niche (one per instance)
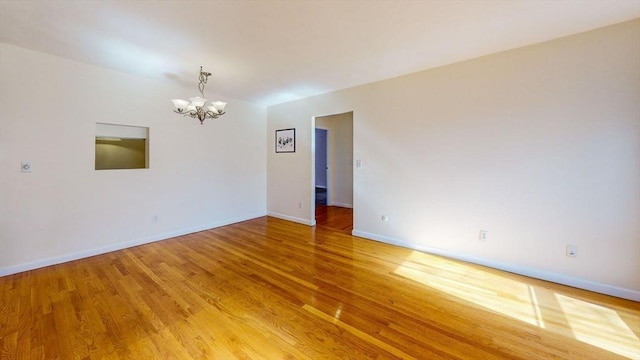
(121, 147)
(121, 154)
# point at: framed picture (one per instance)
(286, 141)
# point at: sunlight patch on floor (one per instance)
(589, 323)
(612, 332)
(520, 306)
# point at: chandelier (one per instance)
(196, 108)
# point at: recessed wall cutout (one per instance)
(121, 147)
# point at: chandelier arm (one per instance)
(192, 113)
(215, 115)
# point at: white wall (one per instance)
(340, 159)
(538, 145)
(200, 176)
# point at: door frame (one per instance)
(313, 162)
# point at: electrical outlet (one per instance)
(300, 205)
(572, 251)
(484, 235)
(154, 218)
(25, 166)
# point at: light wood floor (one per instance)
(272, 289)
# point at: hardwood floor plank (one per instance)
(359, 333)
(334, 217)
(272, 289)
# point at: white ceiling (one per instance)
(268, 52)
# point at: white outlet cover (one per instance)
(572, 251)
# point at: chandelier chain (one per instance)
(204, 76)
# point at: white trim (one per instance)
(580, 283)
(293, 218)
(119, 246)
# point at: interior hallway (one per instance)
(335, 218)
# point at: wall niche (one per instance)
(121, 147)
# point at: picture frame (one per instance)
(286, 141)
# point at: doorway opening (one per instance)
(333, 165)
(322, 166)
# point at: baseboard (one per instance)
(121, 245)
(530, 272)
(339, 204)
(293, 218)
